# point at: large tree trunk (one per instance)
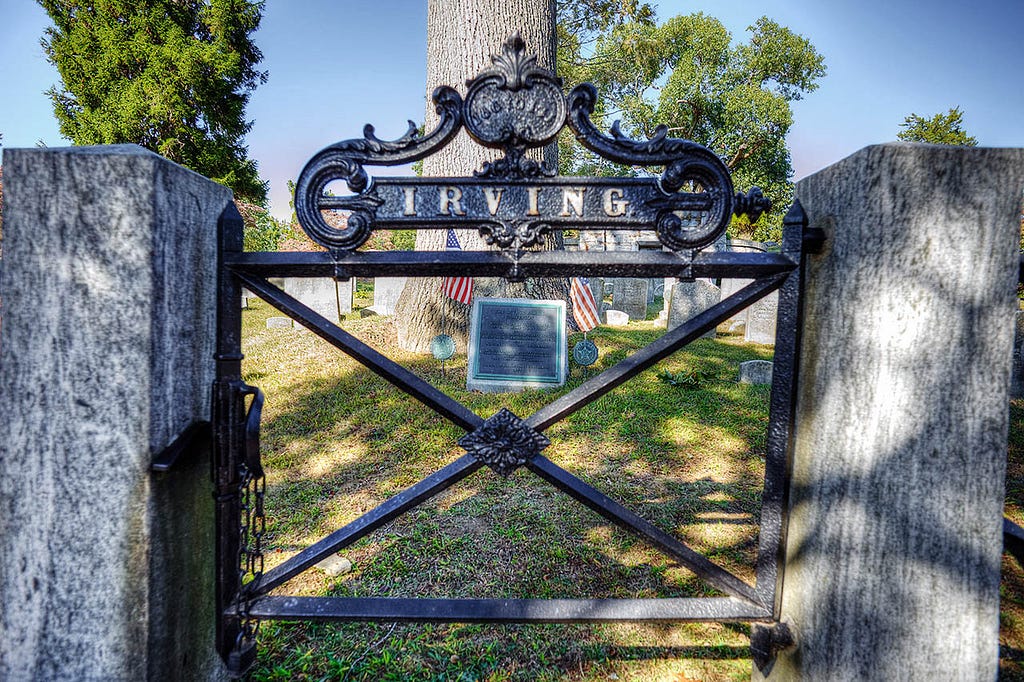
(461, 37)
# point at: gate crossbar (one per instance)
(648, 263)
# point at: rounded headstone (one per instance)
(689, 299)
(756, 372)
(279, 322)
(335, 565)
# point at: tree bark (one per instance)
(461, 37)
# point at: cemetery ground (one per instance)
(682, 444)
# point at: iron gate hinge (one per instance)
(767, 641)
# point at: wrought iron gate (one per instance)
(513, 106)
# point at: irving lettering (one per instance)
(429, 201)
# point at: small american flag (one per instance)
(584, 308)
(456, 288)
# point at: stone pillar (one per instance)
(895, 531)
(106, 345)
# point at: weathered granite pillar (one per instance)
(895, 532)
(106, 346)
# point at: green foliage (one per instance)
(171, 75)
(939, 129)
(685, 379)
(404, 240)
(261, 231)
(689, 75)
(582, 22)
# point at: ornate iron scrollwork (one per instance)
(515, 234)
(516, 105)
(504, 442)
(685, 162)
(345, 160)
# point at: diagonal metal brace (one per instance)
(367, 523)
(658, 350)
(376, 362)
(705, 569)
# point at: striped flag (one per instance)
(584, 308)
(457, 288)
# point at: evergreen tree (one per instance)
(939, 129)
(171, 75)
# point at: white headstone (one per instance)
(615, 318)
(761, 320)
(330, 298)
(386, 291)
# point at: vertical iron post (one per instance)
(228, 412)
(775, 500)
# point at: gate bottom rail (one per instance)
(423, 610)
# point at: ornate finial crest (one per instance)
(514, 105)
(513, 64)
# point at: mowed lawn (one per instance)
(688, 456)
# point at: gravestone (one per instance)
(386, 291)
(761, 317)
(515, 344)
(756, 372)
(738, 322)
(629, 294)
(669, 283)
(615, 318)
(328, 297)
(597, 289)
(279, 322)
(655, 288)
(691, 298)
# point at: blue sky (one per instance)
(337, 65)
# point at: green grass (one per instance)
(688, 456)
(1011, 607)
